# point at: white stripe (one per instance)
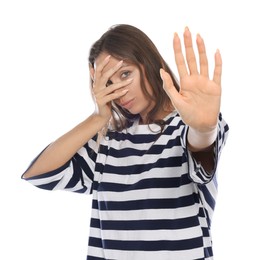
(148, 235)
(207, 242)
(68, 171)
(147, 158)
(149, 193)
(96, 252)
(176, 213)
(65, 178)
(213, 191)
(167, 172)
(162, 140)
(79, 186)
(83, 152)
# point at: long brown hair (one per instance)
(127, 42)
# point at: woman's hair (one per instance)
(126, 42)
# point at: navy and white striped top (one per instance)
(151, 199)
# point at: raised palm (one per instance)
(198, 101)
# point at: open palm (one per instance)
(198, 101)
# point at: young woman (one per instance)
(149, 152)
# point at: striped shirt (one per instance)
(151, 198)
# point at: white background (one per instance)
(44, 92)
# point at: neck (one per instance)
(159, 116)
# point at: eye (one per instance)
(109, 82)
(125, 74)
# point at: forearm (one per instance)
(201, 146)
(63, 149)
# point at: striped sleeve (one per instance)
(196, 171)
(75, 175)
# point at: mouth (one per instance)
(128, 104)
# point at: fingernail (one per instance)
(120, 62)
(108, 57)
(187, 32)
(161, 73)
(199, 38)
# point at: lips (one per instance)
(128, 104)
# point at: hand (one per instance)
(198, 101)
(104, 94)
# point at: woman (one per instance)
(149, 152)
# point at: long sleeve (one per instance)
(75, 175)
(196, 172)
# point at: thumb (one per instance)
(168, 86)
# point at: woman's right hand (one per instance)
(104, 90)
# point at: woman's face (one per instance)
(134, 100)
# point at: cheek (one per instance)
(135, 88)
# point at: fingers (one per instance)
(217, 68)
(203, 61)
(179, 58)
(168, 86)
(189, 65)
(117, 87)
(104, 92)
(190, 55)
(100, 78)
(105, 99)
(114, 91)
(100, 67)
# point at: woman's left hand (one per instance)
(198, 101)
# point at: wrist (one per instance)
(99, 120)
(198, 141)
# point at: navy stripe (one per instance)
(79, 160)
(48, 174)
(83, 190)
(135, 139)
(96, 242)
(103, 149)
(208, 252)
(91, 153)
(155, 149)
(147, 203)
(226, 129)
(142, 138)
(201, 213)
(156, 224)
(94, 258)
(207, 195)
(128, 245)
(128, 153)
(146, 184)
(77, 176)
(174, 161)
(205, 232)
(168, 131)
(48, 186)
